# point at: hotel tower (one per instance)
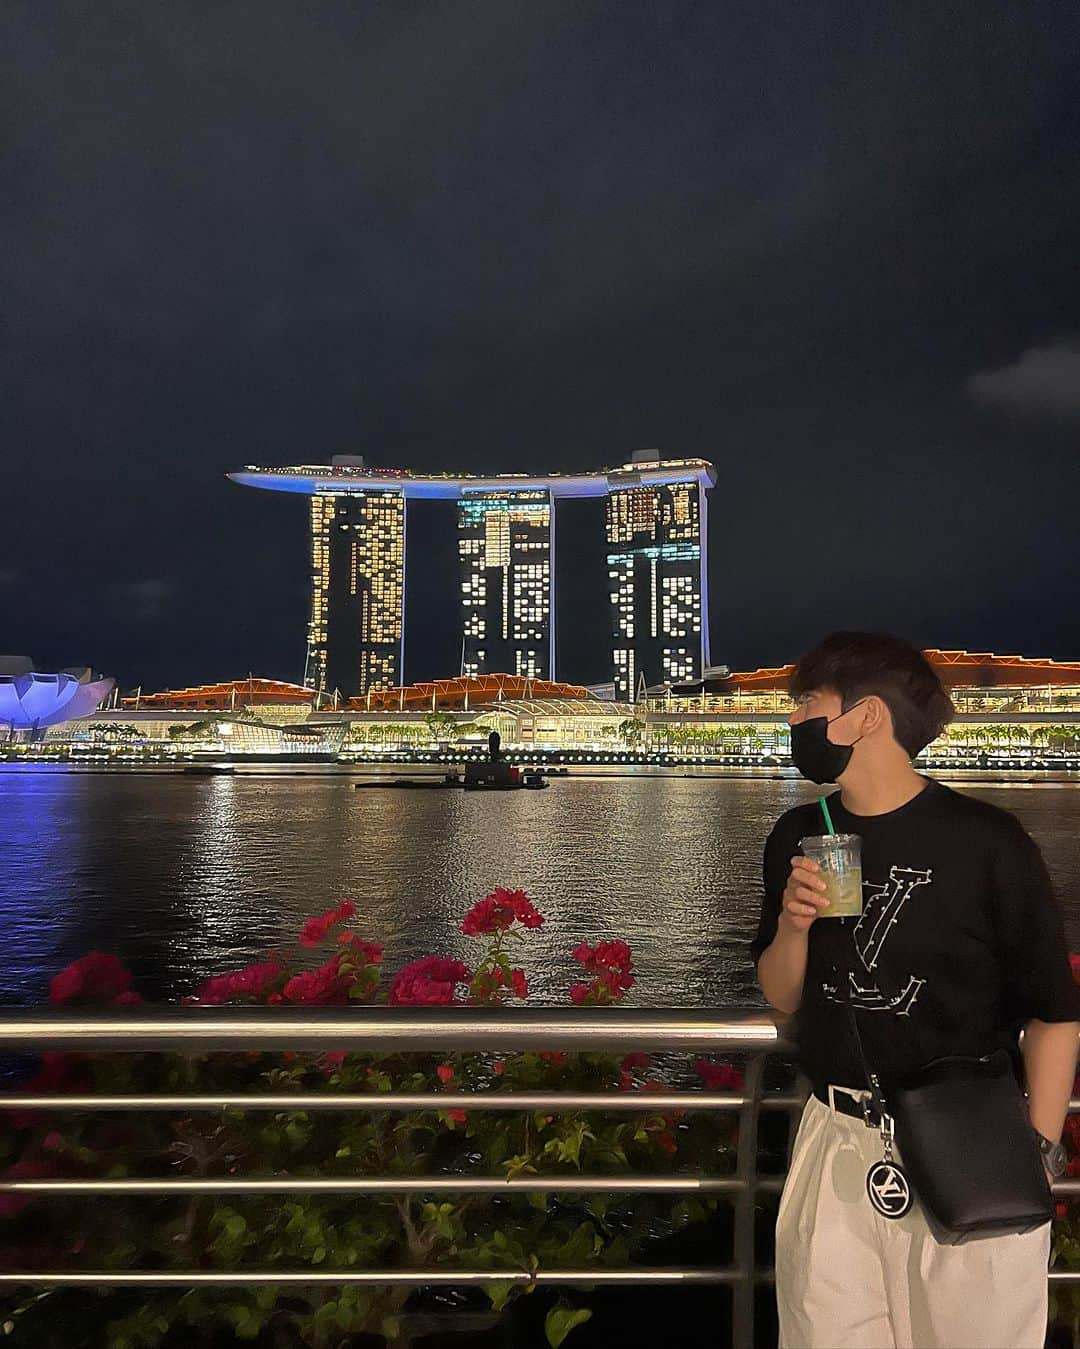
(656, 563)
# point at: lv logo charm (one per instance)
(889, 1190)
(887, 1185)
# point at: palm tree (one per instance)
(632, 730)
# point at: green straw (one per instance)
(828, 817)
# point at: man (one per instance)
(959, 948)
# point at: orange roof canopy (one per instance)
(477, 690)
(223, 697)
(956, 669)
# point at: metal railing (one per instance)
(374, 1030)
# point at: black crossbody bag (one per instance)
(968, 1149)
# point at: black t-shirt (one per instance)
(960, 940)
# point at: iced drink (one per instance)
(840, 858)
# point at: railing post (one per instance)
(742, 1302)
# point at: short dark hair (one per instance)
(858, 664)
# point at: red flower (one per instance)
(498, 1067)
(667, 1142)
(456, 1116)
(333, 1059)
(610, 964)
(370, 952)
(316, 930)
(500, 910)
(635, 1060)
(323, 986)
(248, 983)
(53, 1141)
(96, 978)
(519, 985)
(429, 982)
(445, 1072)
(27, 1168)
(59, 1072)
(718, 1076)
(1074, 965)
(1060, 1209)
(555, 1057)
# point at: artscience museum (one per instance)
(32, 700)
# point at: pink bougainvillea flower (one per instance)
(612, 968)
(429, 982)
(1074, 965)
(555, 1057)
(718, 1076)
(370, 952)
(456, 1116)
(27, 1168)
(95, 978)
(332, 1060)
(500, 910)
(445, 1072)
(249, 983)
(519, 985)
(323, 986)
(316, 930)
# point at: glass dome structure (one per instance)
(31, 700)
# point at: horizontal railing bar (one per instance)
(377, 1029)
(413, 1277)
(634, 1101)
(381, 1185)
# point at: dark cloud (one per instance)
(1042, 382)
(142, 601)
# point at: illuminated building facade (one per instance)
(657, 578)
(357, 627)
(656, 565)
(505, 546)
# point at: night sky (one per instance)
(832, 247)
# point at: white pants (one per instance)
(848, 1278)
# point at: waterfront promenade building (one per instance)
(656, 560)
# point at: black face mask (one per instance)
(814, 754)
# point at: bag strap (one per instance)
(877, 1096)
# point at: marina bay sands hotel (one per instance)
(655, 521)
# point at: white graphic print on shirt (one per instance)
(882, 905)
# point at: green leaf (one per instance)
(560, 1321)
(498, 1294)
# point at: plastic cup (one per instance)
(840, 858)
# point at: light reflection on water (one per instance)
(186, 876)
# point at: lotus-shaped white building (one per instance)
(31, 700)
